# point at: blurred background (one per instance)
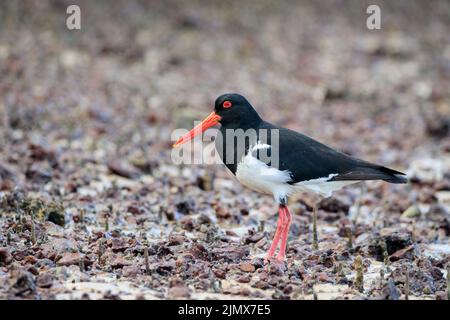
(137, 69)
(86, 115)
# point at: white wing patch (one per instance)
(322, 186)
(260, 146)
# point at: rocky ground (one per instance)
(93, 207)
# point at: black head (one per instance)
(232, 111)
(235, 111)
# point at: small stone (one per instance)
(222, 213)
(53, 229)
(261, 284)
(130, 271)
(219, 273)
(179, 292)
(406, 253)
(175, 240)
(187, 223)
(122, 169)
(323, 277)
(69, 258)
(118, 245)
(411, 212)
(24, 284)
(333, 205)
(5, 257)
(254, 238)
(247, 267)
(57, 246)
(229, 253)
(120, 262)
(44, 280)
(244, 279)
(134, 209)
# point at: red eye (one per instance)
(227, 104)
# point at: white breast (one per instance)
(258, 176)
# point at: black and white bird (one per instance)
(281, 162)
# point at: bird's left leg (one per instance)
(278, 233)
(284, 233)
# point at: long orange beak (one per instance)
(208, 122)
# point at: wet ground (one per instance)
(93, 207)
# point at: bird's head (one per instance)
(230, 110)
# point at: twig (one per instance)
(147, 267)
(407, 284)
(359, 281)
(315, 243)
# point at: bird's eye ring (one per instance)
(227, 104)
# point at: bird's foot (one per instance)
(281, 257)
(268, 259)
(273, 265)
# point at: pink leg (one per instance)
(284, 235)
(276, 238)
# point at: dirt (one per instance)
(93, 207)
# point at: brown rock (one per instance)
(5, 257)
(33, 270)
(222, 213)
(24, 284)
(175, 240)
(187, 223)
(70, 258)
(199, 251)
(57, 246)
(247, 267)
(333, 205)
(121, 169)
(53, 230)
(406, 253)
(219, 273)
(179, 292)
(118, 245)
(254, 238)
(134, 209)
(120, 262)
(323, 277)
(229, 253)
(393, 239)
(244, 279)
(41, 152)
(130, 271)
(261, 284)
(44, 280)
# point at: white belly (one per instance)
(258, 176)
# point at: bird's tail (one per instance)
(394, 176)
(372, 172)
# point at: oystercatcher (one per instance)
(281, 162)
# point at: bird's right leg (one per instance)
(281, 223)
(284, 234)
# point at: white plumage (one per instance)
(258, 176)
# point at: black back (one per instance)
(309, 159)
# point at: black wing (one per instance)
(309, 159)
